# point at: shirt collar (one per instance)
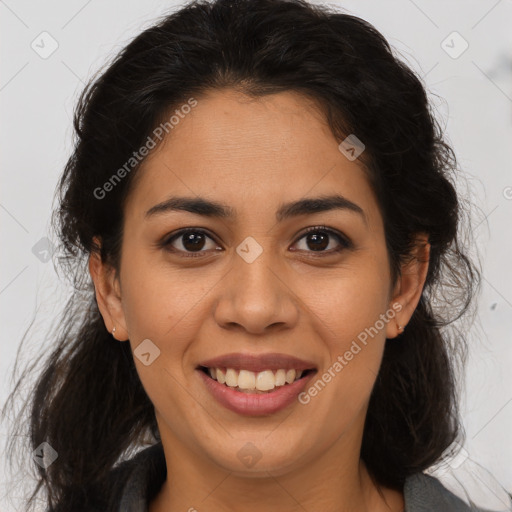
(148, 471)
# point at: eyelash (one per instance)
(344, 242)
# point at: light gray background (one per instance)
(37, 97)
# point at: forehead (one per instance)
(249, 153)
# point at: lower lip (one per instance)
(255, 404)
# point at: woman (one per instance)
(260, 214)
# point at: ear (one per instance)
(108, 294)
(409, 285)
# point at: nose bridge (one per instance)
(255, 296)
(255, 265)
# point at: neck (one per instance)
(335, 481)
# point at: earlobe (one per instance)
(108, 295)
(409, 285)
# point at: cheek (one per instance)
(348, 306)
(158, 300)
(162, 306)
(348, 300)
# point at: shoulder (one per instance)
(140, 479)
(128, 487)
(425, 493)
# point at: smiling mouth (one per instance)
(247, 381)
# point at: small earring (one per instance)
(113, 331)
(400, 328)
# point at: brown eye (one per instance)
(189, 241)
(319, 238)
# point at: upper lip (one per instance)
(258, 362)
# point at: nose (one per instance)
(257, 297)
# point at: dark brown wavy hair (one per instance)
(88, 402)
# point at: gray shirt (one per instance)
(147, 473)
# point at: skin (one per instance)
(254, 155)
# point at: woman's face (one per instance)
(255, 283)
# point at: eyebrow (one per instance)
(208, 208)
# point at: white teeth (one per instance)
(248, 381)
(231, 378)
(280, 377)
(265, 380)
(221, 376)
(290, 376)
